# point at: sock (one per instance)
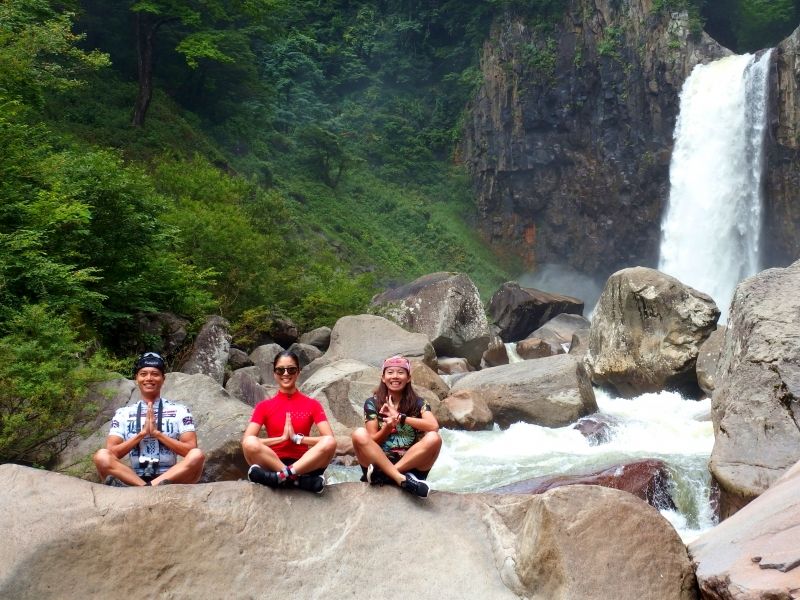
(290, 474)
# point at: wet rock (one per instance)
(495, 355)
(755, 406)
(646, 479)
(708, 358)
(754, 553)
(518, 311)
(597, 429)
(646, 333)
(450, 365)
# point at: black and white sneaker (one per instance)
(114, 482)
(311, 483)
(257, 474)
(415, 486)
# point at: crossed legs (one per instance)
(318, 456)
(187, 470)
(420, 456)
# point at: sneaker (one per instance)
(114, 482)
(371, 474)
(375, 476)
(311, 483)
(415, 486)
(257, 474)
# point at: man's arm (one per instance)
(121, 448)
(187, 441)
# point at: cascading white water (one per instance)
(711, 228)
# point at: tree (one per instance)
(201, 28)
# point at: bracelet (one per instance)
(402, 419)
(297, 438)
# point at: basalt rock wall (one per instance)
(569, 137)
(782, 169)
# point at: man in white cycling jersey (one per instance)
(154, 432)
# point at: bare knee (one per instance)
(328, 444)
(361, 437)
(103, 459)
(432, 439)
(251, 444)
(195, 457)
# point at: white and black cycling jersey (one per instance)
(172, 419)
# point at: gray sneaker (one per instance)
(114, 482)
(415, 486)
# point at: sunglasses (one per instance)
(289, 370)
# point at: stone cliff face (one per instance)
(569, 138)
(782, 169)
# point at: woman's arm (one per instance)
(426, 422)
(254, 429)
(324, 431)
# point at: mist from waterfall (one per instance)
(711, 228)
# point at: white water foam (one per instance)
(711, 228)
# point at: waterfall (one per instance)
(711, 228)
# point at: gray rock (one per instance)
(306, 353)
(249, 387)
(754, 553)
(495, 355)
(707, 358)
(646, 333)
(557, 332)
(573, 542)
(446, 307)
(161, 332)
(237, 359)
(210, 350)
(342, 387)
(517, 311)
(465, 409)
(372, 339)
(220, 421)
(552, 391)
(451, 365)
(263, 357)
(532, 347)
(319, 337)
(755, 406)
(423, 376)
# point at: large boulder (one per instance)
(423, 376)
(755, 553)
(646, 333)
(342, 387)
(647, 479)
(263, 357)
(305, 352)
(552, 391)
(556, 333)
(319, 338)
(159, 332)
(495, 355)
(517, 311)
(708, 358)
(756, 402)
(63, 537)
(249, 386)
(444, 306)
(464, 409)
(372, 339)
(220, 421)
(210, 350)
